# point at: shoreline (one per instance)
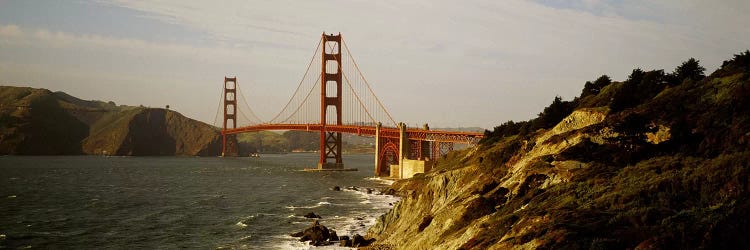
(357, 223)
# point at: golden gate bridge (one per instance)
(339, 100)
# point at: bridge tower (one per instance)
(229, 145)
(330, 142)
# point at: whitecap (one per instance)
(303, 207)
(319, 204)
(288, 242)
(378, 179)
(241, 225)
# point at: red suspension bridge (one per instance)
(345, 104)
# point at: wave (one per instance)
(319, 204)
(246, 238)
(241, 225)
(380, 180)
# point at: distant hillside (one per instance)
(290, 141)
(41, 122)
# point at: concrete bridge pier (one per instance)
(378, 148)
(401, 166)
(403, 150)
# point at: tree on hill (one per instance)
(639, 87)
(739, 63)
(690, 69)
(593, 88)
(553, 114)
(739, 60)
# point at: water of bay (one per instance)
(179, 202)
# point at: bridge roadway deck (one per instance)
(385, 132)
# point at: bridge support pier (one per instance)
(377, 149)
(403, 149)
(330, 142)
(229, 145)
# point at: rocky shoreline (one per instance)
(318, 234)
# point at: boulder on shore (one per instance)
(359, 241)
(311, 215)
(356, 241)
(336, 188)
(317, 234)
(332, 236)
(345, 243)
(389, 191)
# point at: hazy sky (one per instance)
(449, 63)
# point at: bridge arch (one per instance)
(388, 156)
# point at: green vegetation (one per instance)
(552, 114)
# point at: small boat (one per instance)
(256, 155)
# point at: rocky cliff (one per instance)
(657, 161)
(41, 122)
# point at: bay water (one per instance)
(94, 202)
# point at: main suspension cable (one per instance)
(317, 47)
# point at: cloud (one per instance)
(92, 41)
(490, 60)
(128, 71)
(9, 30)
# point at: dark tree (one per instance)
(739, 60)
(690, 69)
(603, 81)
(639, 87)
(625, 96)
(593, 88)
(740, 63)
(636, 76)
(553, 114)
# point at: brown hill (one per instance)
(41, 122)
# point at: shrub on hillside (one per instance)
(640, 86)
(594, 88)
(552, 114)
(689, 70)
